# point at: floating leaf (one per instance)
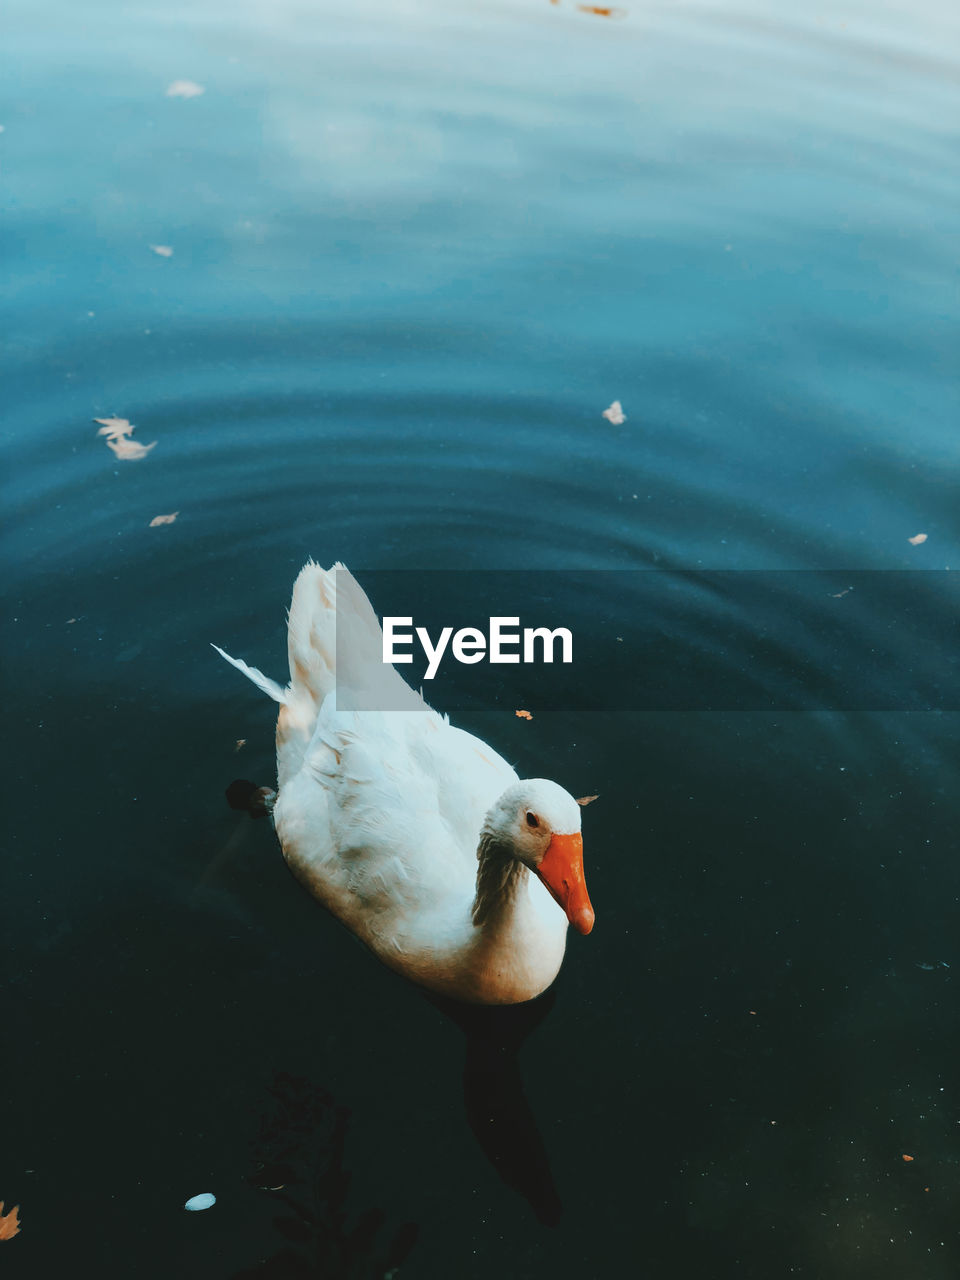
(615, 413)
(523, 715)
(162, 250)
(585, 800)
(184, 89)
(164, 519)
(118, 432)
(206, 1200)
(9, 1223)
(917, 539)
(909, 1159)
(602, 11)
(241, 742)
(114, 427)
(130, 450)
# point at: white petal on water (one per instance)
(185, 89)
(206, 1200)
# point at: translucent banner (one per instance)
(650, 640)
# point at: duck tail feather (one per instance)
(311, 633)
(259, 679)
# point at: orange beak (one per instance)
(562, 872)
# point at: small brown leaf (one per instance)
(615, 413)
(164, 519)
(184, 89)
(909, 1159)
(162, 250)
(602, 11)
(917, 539)
(585, 800)
(523, 715)
(9, 1223)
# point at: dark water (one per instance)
(417, 250)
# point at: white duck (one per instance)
(417, 835)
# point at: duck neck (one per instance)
(501, 877)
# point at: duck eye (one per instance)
(532, 819)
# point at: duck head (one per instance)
(538, 823)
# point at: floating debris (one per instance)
(206, 1200)
(523, 715)
(615, 413)
(585, 800)
(185, 89)
(161, 250)
(908, 1159)
(917, 539)
(118, 432)
(602, 11)
(130, 450)
(114, 426)
(9, 1222)
(164, 519)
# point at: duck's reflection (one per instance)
(299, 1160)
(494, 1097)
(496, 1104)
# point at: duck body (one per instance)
(417, 835)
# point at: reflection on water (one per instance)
(495, 1097)
(370, 293)
(299, 1162)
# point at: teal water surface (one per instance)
(368, 277)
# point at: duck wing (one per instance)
(383, 818)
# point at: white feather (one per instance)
(259, 679)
